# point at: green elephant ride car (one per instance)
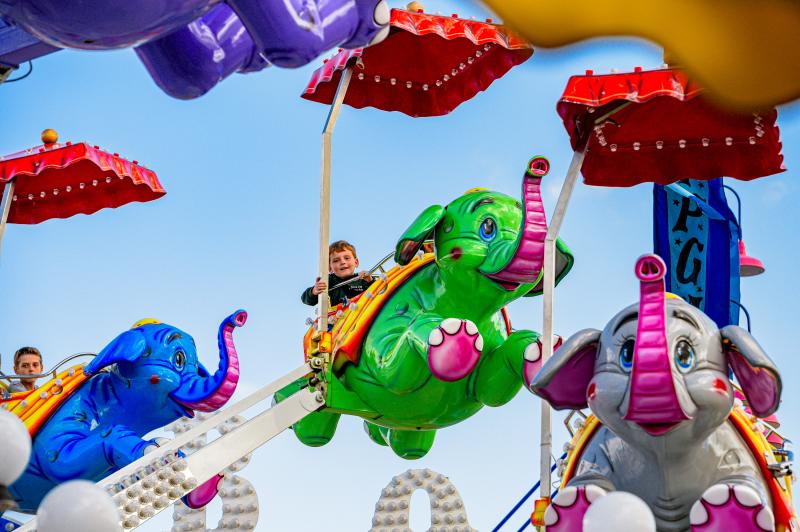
(430, 345)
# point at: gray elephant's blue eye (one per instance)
(488, 229)
(180, 359)
(684, 355)
(626, 355)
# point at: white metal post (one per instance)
(325, 195)
(5, 207)
(546, 435)
(549, 291)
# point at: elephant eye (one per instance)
(180, 359)
(684, 355)
(488, 229)
(626, 355)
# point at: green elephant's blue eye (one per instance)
(180, 359)
(626, 355)
(684, 355)
(488, 229)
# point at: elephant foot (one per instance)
(454, 348)
(411, 444)
(203, 494)
(316, 429)
(376, 433)
(731, 508)
(533, 359)
(566, 511)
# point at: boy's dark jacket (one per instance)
(337, 295)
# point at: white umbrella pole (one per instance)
(553, 229)
(325, 195)
(549, 290)
(5, 207)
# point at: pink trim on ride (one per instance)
(653, 404)
(527, 262)
(225, 390)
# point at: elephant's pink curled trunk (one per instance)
(653, 401)
(228, 372)
(526, 264)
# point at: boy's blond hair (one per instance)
(342, 245)
(27, 351)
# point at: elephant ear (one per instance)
(417, 233)
(564, 378)
(127, 347)
(755, 371)
(564, 262)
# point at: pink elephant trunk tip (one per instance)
(539, 166)
(239, 319)
(650, 268)
(653, 405)
(527, 262)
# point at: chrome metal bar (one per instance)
(546, 436)
(325, 194)
(372, 270)
(52, 373)
(379, 266)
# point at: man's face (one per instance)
(28, 365)
(343, 263)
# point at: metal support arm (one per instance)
(325, 195)
(586, 129)
(163, 476)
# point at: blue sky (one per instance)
(239, 227)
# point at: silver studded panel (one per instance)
(239, 497)
(447, 509)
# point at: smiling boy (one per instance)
(27, 361)
(343, 264)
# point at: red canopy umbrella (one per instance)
(668, 133)
(59, 181)
(427, 66)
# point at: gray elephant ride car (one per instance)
(667, 425)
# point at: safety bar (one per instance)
(52, 373)
(379, 266)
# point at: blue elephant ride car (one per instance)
(90, 420)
